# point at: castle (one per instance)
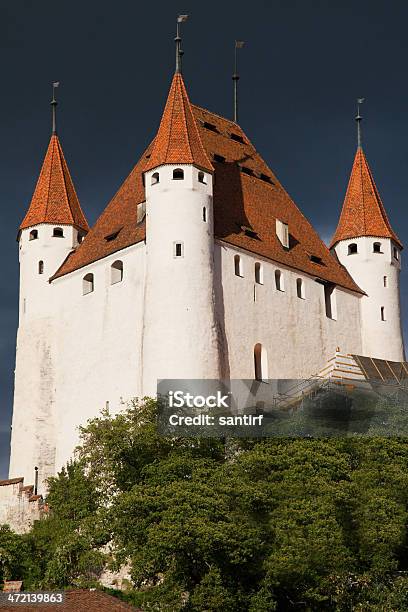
(201, 266)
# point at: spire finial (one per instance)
(179, 52)
(358, 119)
(54, 107)
(235, 77)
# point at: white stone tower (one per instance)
(50, 230)
(367, 246)
(180, 332)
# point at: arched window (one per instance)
(40, 267)
(352, 248)
(58, 232)
(155, 178)
(87, 284)
(279, 281)
(258, 273)
(300, 290)
(204, 214)
(33, 234)
(201, 178)
(377, 247)
(238, 265)
(385, 280)
(178, 174)
(260, 362)
(116, 272)
(382, 313)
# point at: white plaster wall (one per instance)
(15, 508)
(181, 336)
(33, 424)
(98, 344)
(296, 333)
(381, 339)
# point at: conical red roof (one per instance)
(55, 200)
(178, 140)
(363, 213)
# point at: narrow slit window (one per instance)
(330, 301)
(396, 253)
(385, 281)
(279, 280)
(88, 284)
(178, 249)
(40, 267)
(238, 265)
(116, 272)
(260, 363)
(178, 174)
(352, 248)
(382, 313)
(300, 289)
(204, 214)
(258, 273)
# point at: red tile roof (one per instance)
(363, 213)
(80, 600)
(178, 140)
(246, 194)
(55, 200)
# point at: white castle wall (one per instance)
(99, 344)
(298, 336)
(33, 425)
(381, 339)
(181, 337)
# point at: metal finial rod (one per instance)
(235, 78)
(54, 107)
(359, 119)
(177, 40)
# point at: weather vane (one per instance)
(179, 51)
(358, 119)
(235, 77)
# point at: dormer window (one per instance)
(352, 248)
(266, 178)
(237, 137)
(58, 232)
(210, 126)
(316, 259)
(282, 232)
(33, 234)
(155, 178)
(247, 170)
(178, 174)
(377, 247)
(219, 158)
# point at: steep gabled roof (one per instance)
(363, 213)
(178, 140)
(248, 199)
(55, 199)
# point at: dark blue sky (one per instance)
(303, 66)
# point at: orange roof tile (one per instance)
(178, 140)
(246, 193)
(363, 213)
(55, 200)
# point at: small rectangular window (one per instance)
(237, 137)
(282, 232)
(210, 126)
(382, 313)
(178, 249)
